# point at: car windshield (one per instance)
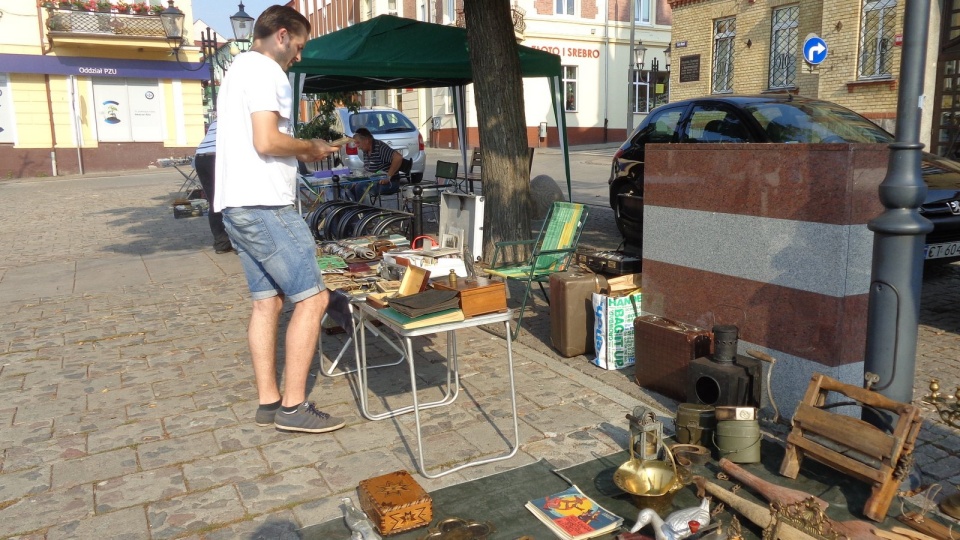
(379, 122)
(805, 122)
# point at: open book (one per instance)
(571, 515)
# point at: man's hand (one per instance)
(319, 149)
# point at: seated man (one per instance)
(377, 157)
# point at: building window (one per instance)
(570, 88)
(650, 90)
(392, 7)
(876, 37)
(451, 14)
(725, 30)
(565, 7)
(643, 11)
(783, 47)
(449, 101)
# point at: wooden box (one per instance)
(395, 502)
(478, 295)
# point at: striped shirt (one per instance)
(378, 158)
(209, 143)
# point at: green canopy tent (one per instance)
(390, 52)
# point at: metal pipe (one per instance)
(630, 70)
(893, 310)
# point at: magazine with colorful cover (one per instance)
(571, 515)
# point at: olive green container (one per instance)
(695, 423)
(738, 440)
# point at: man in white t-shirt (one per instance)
(255, 189)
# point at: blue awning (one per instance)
(100, 67)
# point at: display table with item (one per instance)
(366, 313)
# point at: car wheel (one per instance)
(416, 178)
(623, 214)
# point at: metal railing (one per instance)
(69, 21)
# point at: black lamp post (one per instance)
(172, 21)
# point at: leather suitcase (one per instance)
(571, 311)
(664, 350)
(395, 502)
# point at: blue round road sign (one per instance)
(814, 50)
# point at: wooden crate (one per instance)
(395, 502)
(478, 295)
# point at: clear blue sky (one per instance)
(217, 13)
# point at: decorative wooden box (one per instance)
(395, 502)
(478, 295)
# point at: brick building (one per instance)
(730, 46)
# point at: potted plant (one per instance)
(65, 4)
(82, 5)
(156, 9)
(140, 8)
(122, 7)
(104, 6)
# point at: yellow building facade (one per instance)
(84, 91)
(756, 46)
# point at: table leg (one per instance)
(330, 371)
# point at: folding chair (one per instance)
(404, 174)
(552, 251)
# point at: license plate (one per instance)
(939, 251)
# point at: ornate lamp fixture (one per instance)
(638, 53)
(172, 21)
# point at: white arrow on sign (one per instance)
(814, 51)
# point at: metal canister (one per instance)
(738, 440)
(695, 423)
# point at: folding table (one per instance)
(341, 309)
(366, 313)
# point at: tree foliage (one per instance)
(322, 108)
(498, 93)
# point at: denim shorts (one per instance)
(277, 251)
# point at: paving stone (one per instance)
(196, 511)
(46, 509)
(280, 525)
(25, 434)
(120, 397)
(171, 451)
(269, 493)
(70, 424)
(126, 524)
(73, 389)
(161, 408)
(196, 421)
(165, 376)
(45, 452)
(322, 510)
(127, 434)
(247, 435)
(563, 419)
(94, 467)
(297, 450)
(14, 485)
(138, 488)
(342, 473)
(233, 467)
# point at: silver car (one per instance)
(387, 125)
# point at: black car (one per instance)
(773, 119)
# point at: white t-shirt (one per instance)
(243, 177)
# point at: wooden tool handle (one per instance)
(769, 491)
(926, 526)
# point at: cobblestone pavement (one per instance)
(126, 394)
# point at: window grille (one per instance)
(570, 88)
(785, 43)
(876, 37)
(725, 30)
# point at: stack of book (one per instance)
(427, 308)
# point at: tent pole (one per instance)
(556, 90)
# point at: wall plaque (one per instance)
(690, 68)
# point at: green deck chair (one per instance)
(552, 251)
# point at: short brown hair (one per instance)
(276, 17)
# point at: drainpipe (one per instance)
(630, 72)
(606, 68)
(53, 130)
(76, 121)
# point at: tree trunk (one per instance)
(498, 93)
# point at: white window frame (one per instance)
(723, 45)
(783, 31)
(451, 12)
(642, 14)
(565, 7)
(448, 102)
(576, 87)
(886, 8)
(392, 10)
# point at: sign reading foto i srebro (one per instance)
(690, 68)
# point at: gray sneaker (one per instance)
(309, 419)
(265, 415)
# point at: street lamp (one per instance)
(172, 21)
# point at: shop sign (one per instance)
(690, 68)
(569, 52)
